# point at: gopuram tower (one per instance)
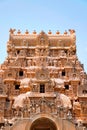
(43, 85)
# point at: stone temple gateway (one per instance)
(43, 85)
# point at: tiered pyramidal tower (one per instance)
(43, 85)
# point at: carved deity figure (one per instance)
(77, 108)
(29, 62)
(42, 41)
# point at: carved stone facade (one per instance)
(43, 85)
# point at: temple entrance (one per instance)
(43, 124)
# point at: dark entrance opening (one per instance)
(63, 73)
(17, 86)
(43, 124)
(20, 73)
(42, 88)
(66, 86)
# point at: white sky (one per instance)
(45, 15)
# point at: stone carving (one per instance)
(12, 31)
(77, 108)
(42, 41)
(43, 74)
(71, 31)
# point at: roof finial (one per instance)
(72, 31)
(57, 32)
(26, 32)
(12, 31)
(34, 32)
(65, 32)
(19, 32)
(49, 32)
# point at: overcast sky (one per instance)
(45, 15)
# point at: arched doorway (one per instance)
(43, 124)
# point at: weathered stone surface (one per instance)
(42, 83)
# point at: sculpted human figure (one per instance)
(29, 62)
(77, 108)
